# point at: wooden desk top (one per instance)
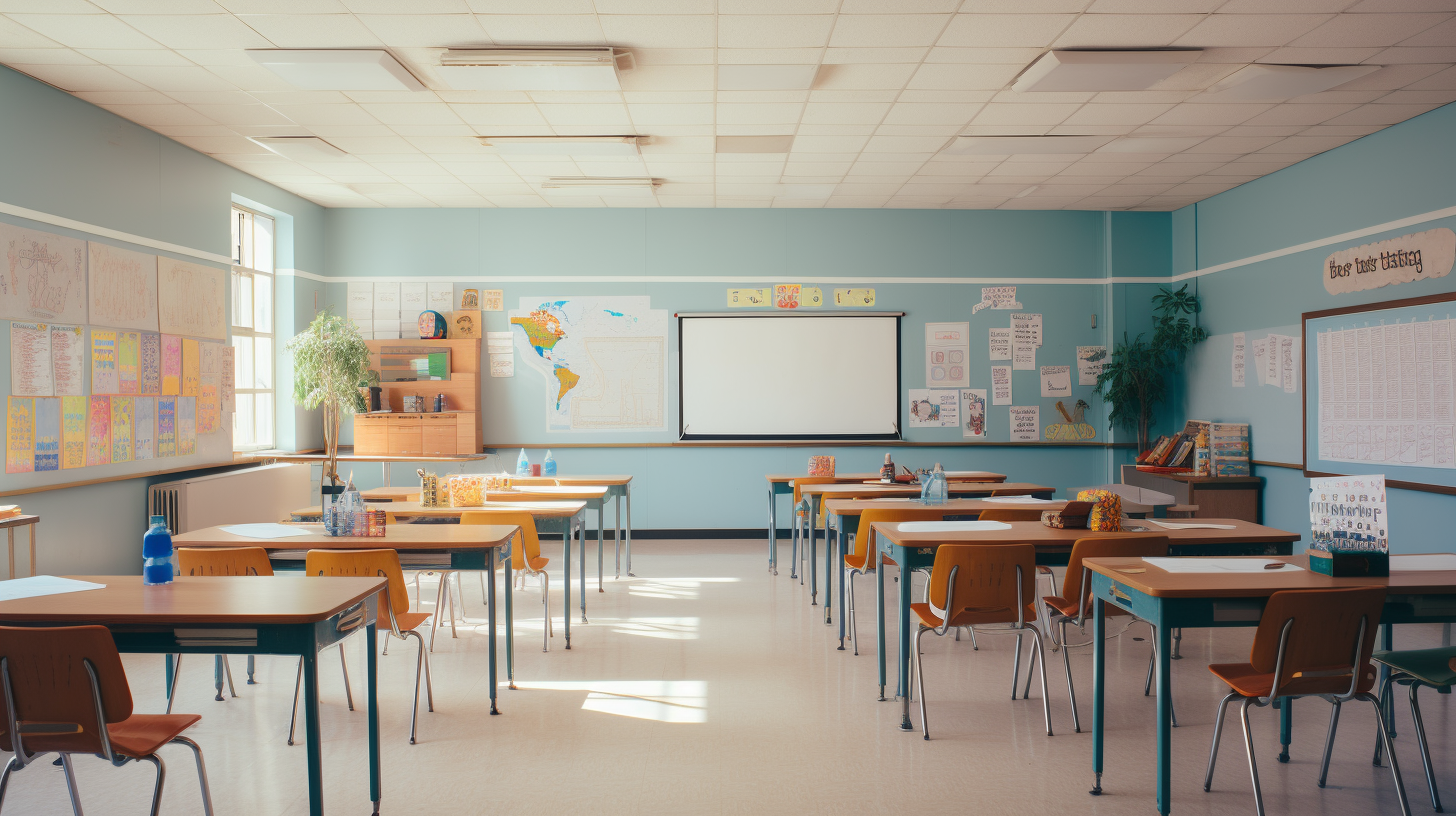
(852, 507)
(547, 493)
(853, 478)
(236, 600)
(1160, 583)
(401, 537)
(18, 521)
(541, 509)
(1034, 532)
(388, 494)
(571, 481)
(286, 456)
(956, 488)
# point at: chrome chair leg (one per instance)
(971, 630)
(1217, 736)
(161, 779)
(547, 634)
(1389, 749)
(919, 670)
(853, 623)
(1040, 657)
(201, 773)
(420, 663)
(344, 663)
(176, 673)
(1249, 748)
(251, 681)
(227, 673)
(1329, 741)
(1016, 667)
(1026, 690)
(450, 596)
(1424, 746)
(75, 793)
(483, 598)
(293, 715)
(5, 778)
(1067, 665)
(439, 606)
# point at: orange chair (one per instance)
(526, 555)
(222, 561)
(393, 611)
(1010, 514)
(803, 517)
(862, 561)
(1075, 602)
(1310, 643)
(975, 585)
(65, 692)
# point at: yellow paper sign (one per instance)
(20, 435)
(811, 296)
(738, 298)
(854, 297)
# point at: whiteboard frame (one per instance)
(897, 436)
(1309, 395)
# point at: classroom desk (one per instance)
(595, 497)
(390, 494)
(470, 547)
(917, 551)
(618, 487)
(1208, 600)
(9, 526)
(292, 615)
(564, 518)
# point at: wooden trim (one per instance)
(1286, 465)
(124, 477)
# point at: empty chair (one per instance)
(977, 585)
(394, 616)
(1310, 643)
(1075, 602)
(1010, 514)
(803, 517)
(1416, 668)
(65, 692)
(526, 555)
(221, 561)
(863, 560)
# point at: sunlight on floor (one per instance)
(666, 628)
(669, 701)
(673, 588)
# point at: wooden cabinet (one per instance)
(450, 433)
(1236, 497)
(455, 431)
(437, 432)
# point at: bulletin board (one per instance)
(1380, 392)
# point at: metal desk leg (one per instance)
(1165, 716)
(371, 648)
(880, 617)
(1099, 683)
(1286, 726)
(839, 570)
(32, 548)
(1387, 642)
(828, 574)
(902, 557)
(10, 535)
(773, 523)
(581, 538)
(617, 535)
(312, 739)
(628, 488)
(566, 581)
(510, 617)
(601, 540)
(813, 553)
(490, 622)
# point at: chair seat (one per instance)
(407, 620)
(968, 617)
(1246, 680)
(142, 734)
(1430, 666)
(858, 562)
(536, 563)
(1067, 608)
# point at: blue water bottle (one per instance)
(157, 553)
(548, 465)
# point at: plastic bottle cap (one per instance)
(158, 520)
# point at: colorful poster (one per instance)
(104, 379)
(44, 277)
(228, 394)
(191, 299)
(122, 289)
(947, 353)
(19, 435)
(973, 413)
(144, 427)
(209, 405)
(191, 368)
(1090, 360)
(128, 361)
(1056, 381)
(47, 434)
(997, 297)
(73, 431)
(68, 360)
(30, 360)
(470, 299)
(166, 427)
(149, 364)
(934, 408)
(171, 365)
(1025, 423)
(98, 432)
(122, 448)
(186, 426)
(786, 295)
(1000, 385)
(1348, 513)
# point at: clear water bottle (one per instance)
(157, 553)
(523, 465)
(934, 489)
(353, 510)
(548, 465)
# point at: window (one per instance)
(252, 292)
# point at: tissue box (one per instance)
(1350, 563)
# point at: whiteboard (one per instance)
(763, 376)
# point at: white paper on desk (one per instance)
(265, 530)
(38, 585)
(1418, 563)
(1017, 500)
(951, 526)
(1189, 525)
(1218, 564)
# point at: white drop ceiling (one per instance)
(894, 82)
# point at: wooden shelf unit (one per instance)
(456, 430)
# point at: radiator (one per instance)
(264, 493)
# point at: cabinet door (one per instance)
(439, 434)
(404, 436)
(370, 436)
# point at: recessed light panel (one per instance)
(1010, 145)
(754, 144)
(299, 148)
(564, 145)
(533, 69)
(1082, 71)
(1267, 82)
(766, 77)
(345, 70)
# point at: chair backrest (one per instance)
(530, 542)
(986, 586)
(46, 680)
(223, 561)
(1011, 514)
(1076, 583)
(1319, 629)
(865, 535)
(800, 481)
(364, 564)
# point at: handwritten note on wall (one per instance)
(30, 360)
(44, 276)
(122, 288)
(104, 377)
(68, 360)
(192, 299)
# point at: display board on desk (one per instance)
(1380, 392)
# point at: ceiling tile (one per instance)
(349, 114)
(1116, 114)
(774, 30)
(759, 114)
(659, 31)
(312, 30)
(1361, 30)
(54, 7)
(1403, 55)
(81, 31)
(769, 56)
(917, 113)
(189, 30)
(1004, 30)
(407, 6)
(1224, 114)
(863, 77)
(844, 113)
(963, 77)
(1002, 113)
(1245, 30)
(888, 30)
(1152, 7)
(166, 78)
(43, 56)
(151, 115)
(425, 30)
(108, 98)
(137, 56)
(597, 116)
(1319, 56)
(1377, 114)
(413, 114)
(1126, 30)
(1299, 114)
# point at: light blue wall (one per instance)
(1401, 172)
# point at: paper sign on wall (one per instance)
(742, 298)
(1056, 381)
(997, 297)
(149, 364)
(1261, 359)
(171, 365)
(469, 299)
(947, 352)
(1025, 423)
(144, 427)
(440, 297)
(122, 447)
(1026, 329)
(98, 432)
(1348, 513)
(191, 299)
(68, 360)
(121, 288)
(811, 297)
(1090, 361)
(191, 368)
(1238, 359)
(934, 408)
(186, 426)
(973, 413)
(228, 382)
(1418, 256)
(74, 416)
(854, 297)
(1023, 358)
(492, 300)
(1000, 345)
(47, 435)
(786, 295)
(1289, 363)
(1000, 385)
(30, 360)
(19, 435)
(128, 362)
(502, 365)
(360, 300)
(166, 427)
(43, 277)
(413, 299)
(104, 378)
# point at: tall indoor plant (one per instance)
(1135, 379)
(330, 360)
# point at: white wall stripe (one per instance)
(104, 232)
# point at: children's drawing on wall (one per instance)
(934, 408)
(997, 297)
(1074, 427)
(786, 295)
(1090, 360)
(973, 413)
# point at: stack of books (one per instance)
(1230, 449)
(1228, 443)
(1168, 454)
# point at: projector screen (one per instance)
(762, 376)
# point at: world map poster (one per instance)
(602, 360)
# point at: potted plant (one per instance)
(330, 359)
(1135, 378)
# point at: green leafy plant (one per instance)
(1135, 379)
(330, 360)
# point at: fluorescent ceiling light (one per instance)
(1287, 81)
(766, 77)
(533, 69)
(754, 144)
(601, 186)
(1009, 145)
(325, 70)
(565, 145)
(1151, 144)
(1071, 71)
(299, 148)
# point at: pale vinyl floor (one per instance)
(705, 685)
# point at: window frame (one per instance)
(250, 272)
